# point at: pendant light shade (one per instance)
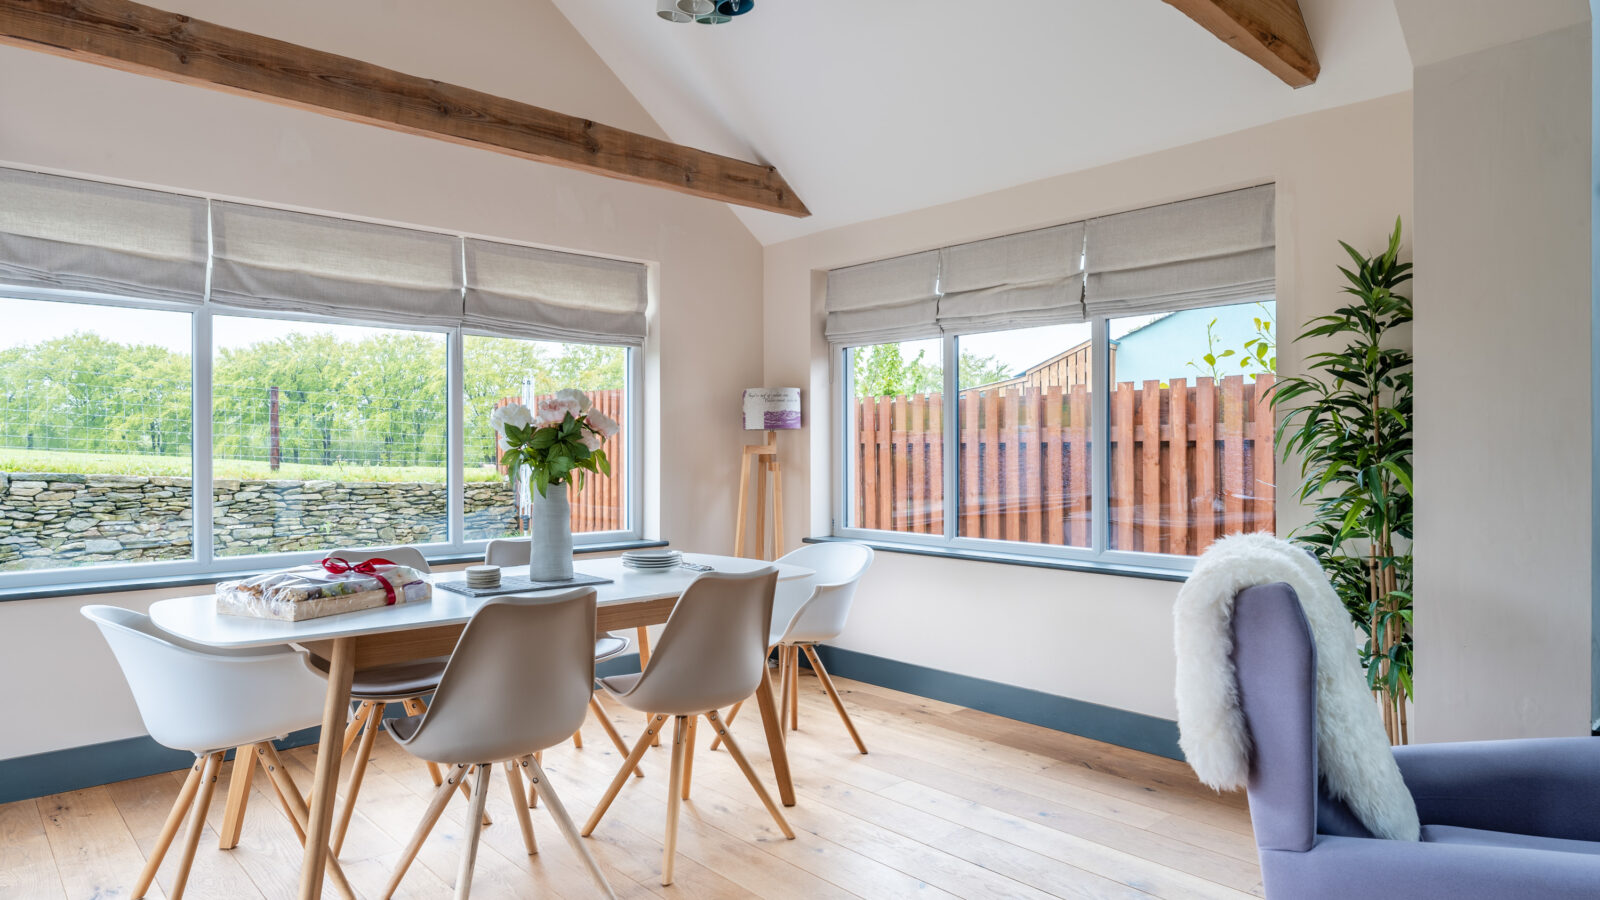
(668, 9)
(706, 12)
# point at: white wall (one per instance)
(1503, 461)
(1341, 174)
(78, 118)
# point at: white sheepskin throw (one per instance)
(1353, 752)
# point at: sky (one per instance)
(24, 322)
(30, 321)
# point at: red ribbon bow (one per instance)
(338, 565)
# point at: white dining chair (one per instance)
(374, 690)
(205, 701)
(519, 681)
(810, 610)
(512, 552)
(712, 653)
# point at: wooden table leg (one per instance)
(772, 721)
(341, 667)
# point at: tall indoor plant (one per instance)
(1349, 419)
(557, 443)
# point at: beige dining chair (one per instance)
(373, 691)
(519, 681)
(511, 552)
(712, 653)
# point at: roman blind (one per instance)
(1016, 281)
(1202, 252)
(71, 234)
(296, 262)
(889, 300)
(549, 295)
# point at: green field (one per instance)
(226, 469)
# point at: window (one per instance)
(94, 436)
(896, 407)
(502, 370)
(192, 386)
(326, 436)
(1186, 426)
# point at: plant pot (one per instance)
(550, 535)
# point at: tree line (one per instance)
(380, 400)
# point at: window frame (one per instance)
(205, 561)
(1098, 552)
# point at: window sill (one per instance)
(1017, 559)
(42, 591)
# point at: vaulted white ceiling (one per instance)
(874, 107)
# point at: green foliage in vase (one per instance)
(1348, 419)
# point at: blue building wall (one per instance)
(1162, 350)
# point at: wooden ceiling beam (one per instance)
(1271, 32)
(148, 41)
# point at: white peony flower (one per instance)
(577, 398)
(553, 409)
(510, 414)
(606, 425)
(592, 440)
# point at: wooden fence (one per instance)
(603, 502)
(1188, 464)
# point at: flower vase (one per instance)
(549, 534)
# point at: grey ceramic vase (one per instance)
(550, 535)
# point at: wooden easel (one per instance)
(763, 459)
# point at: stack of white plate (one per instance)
(652, 560)
(482, 577)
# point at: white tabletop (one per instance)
(195, 618)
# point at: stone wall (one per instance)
(49, 520)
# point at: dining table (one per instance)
(353, 641)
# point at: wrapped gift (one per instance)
(328, 588)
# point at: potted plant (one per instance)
(1349, 419)
(557, 443)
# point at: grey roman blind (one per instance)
(549, 295)
(66, 233)
(1201, 252)
(1016, 281)
(297, 262)
(889, 300)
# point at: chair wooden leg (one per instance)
(688, 754)
(727, 720)
(358, 771)
(643, 635)
(436, 805)
(357, 722)
(749, 773)
(833, 694)
(519, 802)
(469, 853)
(169, 830)
(622, 774)
(533, 800)
(197, 824)
(669, 850)
(794, 688)
(244, 766)
(298, 813)
(577, 739)
(558, 811)
(611, 731)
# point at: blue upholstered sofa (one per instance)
(1500, 819)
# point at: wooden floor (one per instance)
(951, 803)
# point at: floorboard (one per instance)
(951, 802)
